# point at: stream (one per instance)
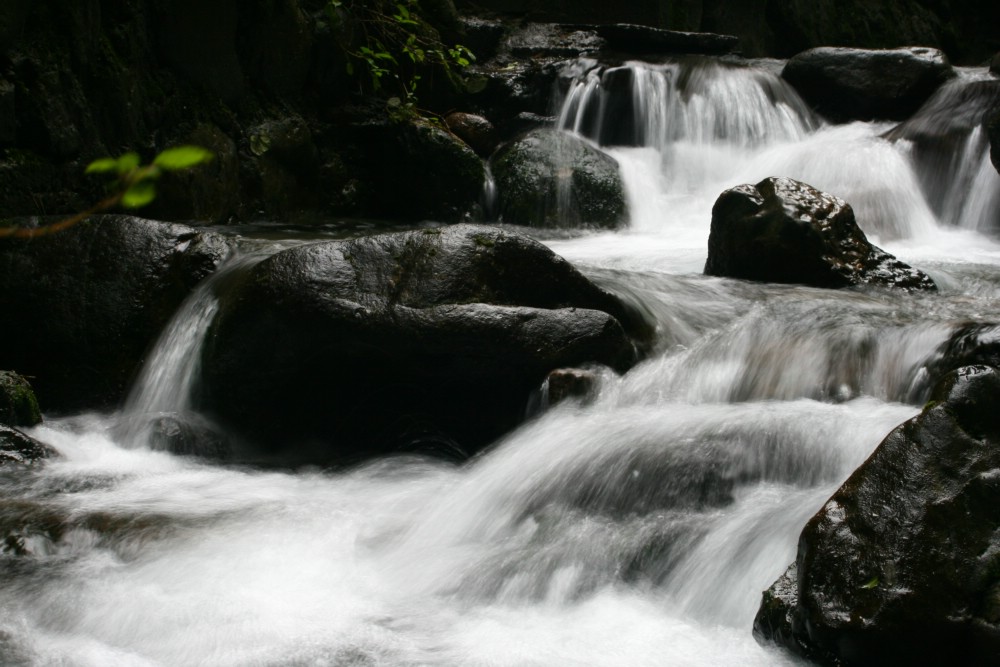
(638, 528)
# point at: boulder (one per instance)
(16, 448)
(18, 405)
(784, 231)
(82, 306)
(348, 349)
(550, 178)
(971, 344)
(902, 564)
(864, 84)
(474, 130)
(412, 169)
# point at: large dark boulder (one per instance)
(82, 306)
(865, 84)
(902, 564)
(436, 336)
(18, 405)
(550, 178)
(784, 231)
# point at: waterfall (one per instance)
(158, 412)
(635, 527)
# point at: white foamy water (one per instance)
(638, 528)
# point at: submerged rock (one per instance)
(784, 231)
(549, 178)
(365, 346)
(82, 306)
(16, 448)
(902, 564)
(866, 84)
(18, 405)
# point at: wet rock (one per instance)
(784, 231)
(550, 178)
(474, 130)
(641, 39)
(566, 383)
(356, 345)
(972, 344)
(82, 306)
(18, 405)
(865, 84)
(993, 130)
(187, 434)
(902, 564)
(16, 448)
(550, 39)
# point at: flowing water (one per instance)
(638, 528)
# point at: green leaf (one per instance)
(403, 11)
(128, 162)
(139, 194)
(182, 157)
(102, 166)
(350, 68)
(872, 583)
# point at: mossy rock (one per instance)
(18, 405)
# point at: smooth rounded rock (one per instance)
(865, 84)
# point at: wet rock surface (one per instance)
(864, 84)
(550, 178)
(901, 564)
(785, 231)
(16, 448)
(439, 335)
(640, 39)
(82, 306)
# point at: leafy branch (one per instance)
(389, 41)
(134, 185)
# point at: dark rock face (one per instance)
(553, 179)
(995, 64)
(370, 345)
(18, 405)
(859, 84)
(82, 306)
(784, 231)
(16, 448)
(902, 565)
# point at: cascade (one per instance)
(636, 528)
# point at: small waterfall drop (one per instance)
(159, 406)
